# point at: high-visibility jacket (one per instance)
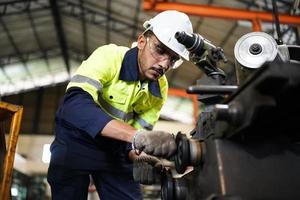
(111, 76)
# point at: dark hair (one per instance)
(148, 33)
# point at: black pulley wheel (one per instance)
(182, 157)
(172, 188)
(167, 185)
(181, 189)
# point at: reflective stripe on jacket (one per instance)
(110, 76)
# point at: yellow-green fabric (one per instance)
(127, 100)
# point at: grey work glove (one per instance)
(156, 143)
(147, 169)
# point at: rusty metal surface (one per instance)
(8, 155)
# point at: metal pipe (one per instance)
(256, 25)
(212, 89)
(277, 24)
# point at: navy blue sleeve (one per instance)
(79, 109)
(128, 147)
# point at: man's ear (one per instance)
(141, 41)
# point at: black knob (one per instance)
(255, 49)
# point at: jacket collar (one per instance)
(130, 71)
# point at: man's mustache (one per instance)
(161, 71)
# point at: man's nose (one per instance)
(165, 64)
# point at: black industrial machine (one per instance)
(247, 143)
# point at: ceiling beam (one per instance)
(69, 8)
(11, 2)
(219, 12)
(108, 21)
(228, 34)
(18, 52)
(28, 56)
(267, 6)
(84, 31)
(60, 33)
(20, 6)
(38, 40)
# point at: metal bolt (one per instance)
(255, 49)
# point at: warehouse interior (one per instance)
(42, 43)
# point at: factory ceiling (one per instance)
(42, 42)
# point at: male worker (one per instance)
(109, 109)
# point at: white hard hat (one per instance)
(165, 25)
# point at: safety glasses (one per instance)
(161, 53)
